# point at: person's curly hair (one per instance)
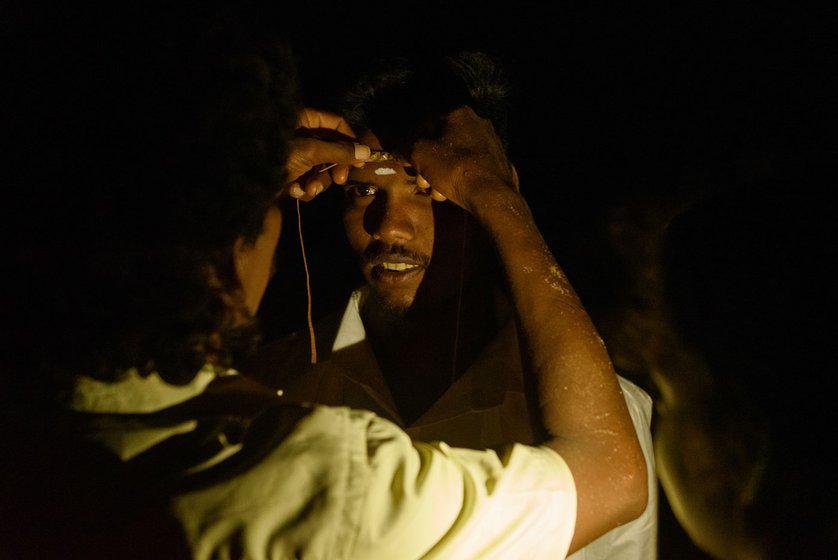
(145, 147)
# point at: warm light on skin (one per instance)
(254, 262)
(388, 207)
(703, 467)
(693, 476)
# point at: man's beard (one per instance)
(387, 310)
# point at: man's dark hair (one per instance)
(146, 143)
(405, 97)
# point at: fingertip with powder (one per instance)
(362, 151)
(296, 191)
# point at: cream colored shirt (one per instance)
(486, 407)
(346, 484)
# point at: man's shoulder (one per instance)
(280, 361)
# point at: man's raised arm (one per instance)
(581, 408)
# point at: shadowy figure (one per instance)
(733, 324)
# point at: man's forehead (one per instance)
(384, 172)
(382, 166)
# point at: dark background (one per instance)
(615, 105)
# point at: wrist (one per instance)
(499, 204)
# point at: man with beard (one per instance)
(430, 341)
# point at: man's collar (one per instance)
(351, 330)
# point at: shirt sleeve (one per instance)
(429, 500)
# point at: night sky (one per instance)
(613, 104)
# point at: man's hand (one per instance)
(466, 162)
(321, 153)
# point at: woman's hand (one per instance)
(321, 153)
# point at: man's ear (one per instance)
(242, 252)
(232, 299)
(253, 260)
(237, 299)
(515, 178)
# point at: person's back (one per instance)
(147, 212)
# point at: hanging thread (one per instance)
(308, 287)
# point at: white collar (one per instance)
(351, 330)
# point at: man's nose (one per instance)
(389, 220)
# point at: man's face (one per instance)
(389, 223)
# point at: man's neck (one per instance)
(426, 349)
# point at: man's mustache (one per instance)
(377, 250)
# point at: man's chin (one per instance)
(390, 308)
(394, 313)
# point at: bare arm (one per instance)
(584, 415)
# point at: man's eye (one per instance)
(360, 190)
